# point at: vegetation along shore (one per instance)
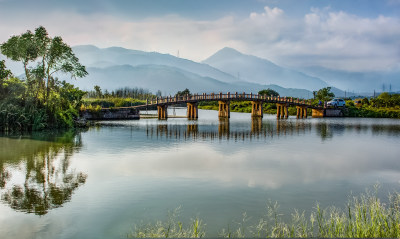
(365, 216)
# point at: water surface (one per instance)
(100, 182)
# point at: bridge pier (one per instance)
(162, 112)
(257, 109)
(282, 111)
(192, 111)
(301, 112)
(224, 111)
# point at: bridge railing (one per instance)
(222, 97)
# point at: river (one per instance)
(100, 182)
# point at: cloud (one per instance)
(323, 37)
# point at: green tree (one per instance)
(268, 92)
(41, 101)
(183, 93)
(52, 56)
(97, 89)
(324, 94)
(4, 72)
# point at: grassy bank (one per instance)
(365, 216)
(373, 112)
(110, 102)
(365, 111)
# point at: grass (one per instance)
(365, 216)
(171, 228)
(111, 102)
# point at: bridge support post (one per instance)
(224, 111)
(192, 111)
(162, 112)
(282, 111)
(257, 109)
(301, 112)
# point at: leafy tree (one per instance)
(268, 92)
(97, 89)
(52, 56)
(4, 72)
(324, 94)
(41, 101)
(183, 93)
(365, 101)
(12, 89)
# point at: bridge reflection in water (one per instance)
(258, 130)
(262, 129)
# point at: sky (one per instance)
(355, 36)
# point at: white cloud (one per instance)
(336, 40)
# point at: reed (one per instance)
(365, 216)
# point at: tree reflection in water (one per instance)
(35, 173)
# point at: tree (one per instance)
(324, 94)
(51, 55)
(41, 101)
(268, 92)
(97, 88)
(4, 72)
(183, 93)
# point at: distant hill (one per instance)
(253, 69)
(358, 82)
(169, 80)
(226, 70)
(117, 67)
(92, 56)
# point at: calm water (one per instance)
(101, 182)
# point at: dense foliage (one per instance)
(324, 94)
(40, 100)
(268, 92)
(185, 92)
(384, 106)
(126, 92)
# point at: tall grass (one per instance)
(171, 228)
(364, 216)
(17, 118)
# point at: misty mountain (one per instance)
(253, 69)
(358, 82)
(116, 67)
(169, 80)
(92, 56)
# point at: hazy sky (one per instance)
(354, 35)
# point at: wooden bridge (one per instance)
(224, 100)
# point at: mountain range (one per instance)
(226, 70)
(117, 67)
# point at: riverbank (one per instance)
(365, 216)
(245, 107)
(351, 110)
